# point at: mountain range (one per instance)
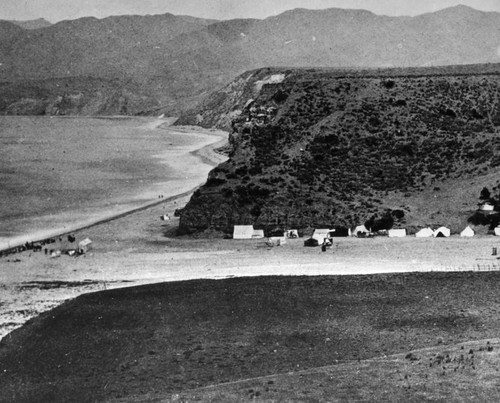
(178, 60)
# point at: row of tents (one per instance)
(361, 231)
(320, 234)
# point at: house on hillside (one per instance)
(487, 206)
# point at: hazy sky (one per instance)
(56, 10)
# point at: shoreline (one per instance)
(205, 154)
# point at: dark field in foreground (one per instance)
(161, 339)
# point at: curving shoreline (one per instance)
(206, 154)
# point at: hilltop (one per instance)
(32, 24)
(322, 147)
(179, 60)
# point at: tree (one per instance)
(485, 194)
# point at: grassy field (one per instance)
(159, 340)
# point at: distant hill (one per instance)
(83, 96)
(32, 24)
(321, 147)
(179, 60)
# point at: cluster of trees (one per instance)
(487, 217)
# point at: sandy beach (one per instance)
(126, 165)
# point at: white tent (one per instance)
(360, 229)
(292, 233)
(397, 233)
(425, 233)
(497, 231)
(243, 232)
(320, 234)
(442, 232)
(467, 232)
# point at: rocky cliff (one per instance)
(323, 147)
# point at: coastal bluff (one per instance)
(313, 147)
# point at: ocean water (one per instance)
(61, 171)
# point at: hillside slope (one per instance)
(327, 147)
(83, 96)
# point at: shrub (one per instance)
(485, 194)
(212, 182)
(389, 84)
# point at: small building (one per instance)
(84, 246)
(486, 206)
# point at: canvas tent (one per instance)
(425, 233)
(397, 233)
(247, 232)
(292, 233)
(467, 232)
(497, 231)
(243, 232)
(360, 230)
(442, 232)
(320, 234)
